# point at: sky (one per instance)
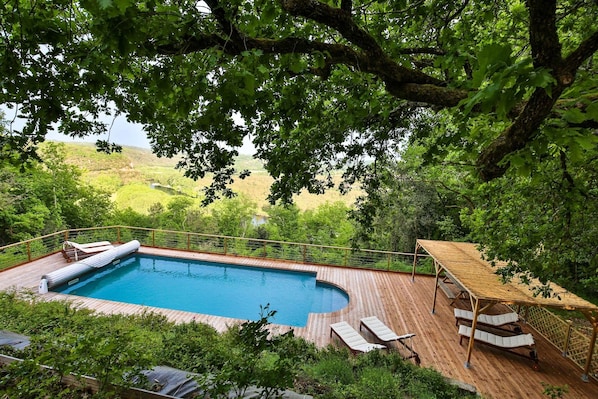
(122, 132)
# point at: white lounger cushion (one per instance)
(493, 320)
(90, 244)
(352, 338)
(381, 330)
(515, 341)
(91, 247)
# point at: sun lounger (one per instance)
(498, 320)
(508, 343)
(74, 251)
(383, 333)
(351, 338)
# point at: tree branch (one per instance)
(423, 50)
(378, 62)
(336, 19)
(543, 36)
(585, 50)
(401, 82)
(427, 93)
(518, 135)
(546, 52)
(364, 54)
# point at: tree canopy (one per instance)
(316, 85)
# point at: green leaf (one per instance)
(319, 59)
(588, 143)
(105, 4)
(489, 58)
(268, 13)
(592, 111)
(542, 78)
(249, 82)
(574, 115)
(297, 65)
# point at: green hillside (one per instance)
(129, 175)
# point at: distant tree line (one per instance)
(49, 195)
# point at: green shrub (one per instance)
(115, 348)
(26, 380)
(377, 382)
(254, 357)
(333, 368)
(193, 347)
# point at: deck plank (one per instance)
(402, 304)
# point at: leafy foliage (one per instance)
(47, 197)
(373, 375)
(257, 358)
(551, 236)
(73, 340)
(411, 200)
(315, 86)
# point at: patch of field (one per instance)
(139, 197)
(129, 175)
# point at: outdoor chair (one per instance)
(509, 343)
(351, 338)
(74, 251)
(496, 321)
(383, 333)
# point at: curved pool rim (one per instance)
(232, 261)
(336, 286)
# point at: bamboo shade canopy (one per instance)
(463, 261)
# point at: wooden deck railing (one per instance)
(572, 341)
(26, 251)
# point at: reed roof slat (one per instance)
(464, 262)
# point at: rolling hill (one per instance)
(132, 176)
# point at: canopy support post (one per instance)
(474, 323)
(438, 269)
(417, 246)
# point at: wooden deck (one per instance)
(402, 304)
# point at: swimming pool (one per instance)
(210, 288)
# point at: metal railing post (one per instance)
(346, 260)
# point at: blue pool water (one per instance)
(211, 288)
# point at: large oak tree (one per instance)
(316, 85)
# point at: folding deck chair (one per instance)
(74, 251)
(383, 333)
(507, 343)
(351, 338)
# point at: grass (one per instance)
(139, 197)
